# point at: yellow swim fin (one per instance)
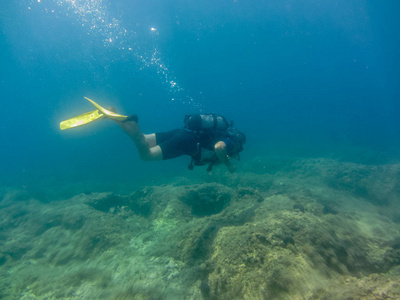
(108, 113)
(99, 113)
(82, 119)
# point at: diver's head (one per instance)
(238, 138)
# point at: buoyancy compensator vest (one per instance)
(209, 128)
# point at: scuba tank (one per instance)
(206, 122)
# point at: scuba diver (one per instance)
(208, 138)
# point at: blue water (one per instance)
(301, 78)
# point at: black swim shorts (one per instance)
(176, 143)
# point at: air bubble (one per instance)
(94, 17)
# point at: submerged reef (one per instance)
(298, 229)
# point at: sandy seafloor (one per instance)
(279, 228)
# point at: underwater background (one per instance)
(314, 85)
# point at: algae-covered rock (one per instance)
(206, 199)
(139, 202)
(287, 254)
(378, 184)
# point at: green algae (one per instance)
(314, 229)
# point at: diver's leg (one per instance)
(145, 144)
(151, 139)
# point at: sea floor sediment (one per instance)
(305, 229)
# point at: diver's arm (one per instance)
(222, 154)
